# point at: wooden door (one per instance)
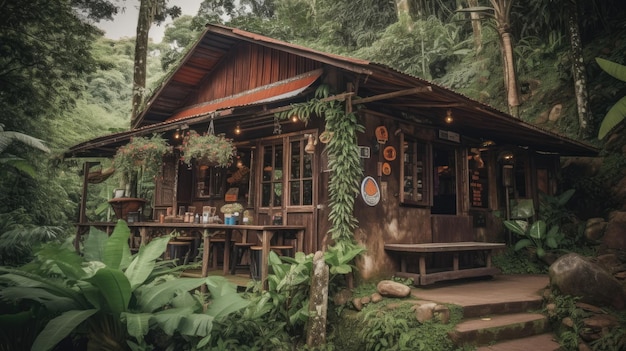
(287, 191)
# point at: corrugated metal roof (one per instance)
(273, 92)
(472, 118)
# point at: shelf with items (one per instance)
(413, 172)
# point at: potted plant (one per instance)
(231, 211)
(141, 154)
(207, 149)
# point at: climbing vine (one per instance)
(344, 163)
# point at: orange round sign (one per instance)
(370, 191)
(389, 153)
(386, 169)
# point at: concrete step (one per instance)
(542, 342)
(490, 330)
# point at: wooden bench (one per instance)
(425, 277)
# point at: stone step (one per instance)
(493, 329)
(504, 307)
(542, 342)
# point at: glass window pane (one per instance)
(295, 193)
(266, 194)
(307, 192)
(278, 194)
(308, 165)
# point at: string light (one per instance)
(238, 129)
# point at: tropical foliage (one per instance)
(110, 298)
(617, 113)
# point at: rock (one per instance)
(551, 308)
(575, 275)
(598, 322)
(568, 322)
(615, 234)
(389, 288)
(342, 297)
(589, 308)
(365, 300)
(424, 312)
(442, 314)
(356, 302)
(610, 262)
(594, 229)
(555, 113)
(583, 347)
(376, 297)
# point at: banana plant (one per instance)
(617, 113)
(7, 137)
(535, 236)
(112, 298)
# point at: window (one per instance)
(288, 173)
(272, 176)
(414, 188)
(209, 182)
(301, 175)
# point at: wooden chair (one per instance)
(255, 257)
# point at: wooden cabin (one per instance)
(445, 167)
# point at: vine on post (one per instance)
(344, 163)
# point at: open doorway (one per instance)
(444, 180)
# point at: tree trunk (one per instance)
(477, 29)
(146, 16)
(502, 9)
(510, 77)
(578, 71)
(404, 13)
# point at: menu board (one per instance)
(478, 187)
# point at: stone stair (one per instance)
(499, 314)
(509, 325)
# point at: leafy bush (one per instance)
(110, 298)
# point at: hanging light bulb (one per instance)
(238, 129)
(449, 118)
(295, 118)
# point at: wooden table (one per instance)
(264, 232)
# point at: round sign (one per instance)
(386, 168)
(370, 191)
(389, 153)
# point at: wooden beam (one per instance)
(392, 95)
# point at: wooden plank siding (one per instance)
(250, 66)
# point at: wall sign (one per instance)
(478, 182)
(370, 191)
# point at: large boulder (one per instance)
(575, 275)
(615, 233)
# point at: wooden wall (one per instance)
(251, 66)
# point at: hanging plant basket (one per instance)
(142, 152)
(207, 150)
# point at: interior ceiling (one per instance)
(471, 118)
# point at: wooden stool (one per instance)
(255, 257)
(214, 245)
(239, 250)
(178, 250)
(194, 242)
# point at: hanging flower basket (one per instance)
(144, 153)
(207, 149)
